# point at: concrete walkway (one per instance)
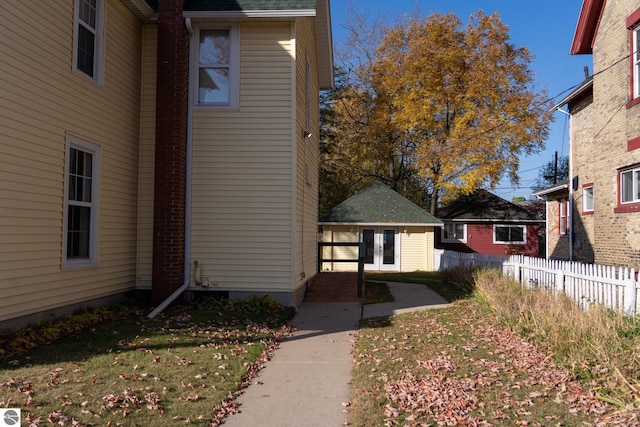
(307, 380)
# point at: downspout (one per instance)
(187, 208)
(571, 181)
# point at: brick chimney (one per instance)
(170, 153)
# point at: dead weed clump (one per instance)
(600, 347)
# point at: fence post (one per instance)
(559, 281)
(629, 290)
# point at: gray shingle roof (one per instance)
(379, 204)
(483, 205)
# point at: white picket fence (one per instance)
(446, 260)
(587, 284)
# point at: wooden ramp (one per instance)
(333, 287)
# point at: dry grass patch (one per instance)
(599, 346)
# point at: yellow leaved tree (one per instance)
(436, 108)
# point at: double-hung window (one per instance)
(454, 232)
(81, 185)
(217, 67)
(509, 234)
(630, 185)
(563, 217)
(88, 38)
(633, 26)
(587, 198)
(635, 61)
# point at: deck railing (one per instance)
(359, 259)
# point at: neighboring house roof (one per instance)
(379, 204)
(483, 206)
(587, 26)
(562, 187)
(585, 87)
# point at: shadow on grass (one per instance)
(452, 285)
(182, 327)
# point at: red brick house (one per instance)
(484, 223)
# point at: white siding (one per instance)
(242, 202)
(41, 101)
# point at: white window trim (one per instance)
(586, 208)
(635, 185)
(99, 48)
(463, 240)
(563, 218)
(524, 234)
(636, 62)
(92, 260)
(234, 66)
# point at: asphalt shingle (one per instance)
(379, 204)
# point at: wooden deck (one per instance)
(333, 287)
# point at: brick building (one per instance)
(604, 189)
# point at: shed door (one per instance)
(381, 248)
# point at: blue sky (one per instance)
(546, 27)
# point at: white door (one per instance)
(381, 246)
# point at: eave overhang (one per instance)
(550, 190)
(322, 15)
(587, 26)
(582, 88)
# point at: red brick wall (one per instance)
(170, 154)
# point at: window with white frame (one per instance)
(635, 58)
(509, 234)
(587, 198)
(563, 217)
(217, 67)
(454, 232)
(88, 38)
(81, 184)
(630, 185)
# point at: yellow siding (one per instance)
(307, 151)
(340, 234)
(417, 249)
(242, 202)
(41, 101)
(147, 157)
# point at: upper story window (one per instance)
(81, 199)
(563, 217)
(217, 67)
(453, 232)
(88, 38)
(587, 198)
(633, 25)
(635, 61)
(630, 185)
(509, 234)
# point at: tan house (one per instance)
(140, 139)
(604, 189)
(397, 234)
